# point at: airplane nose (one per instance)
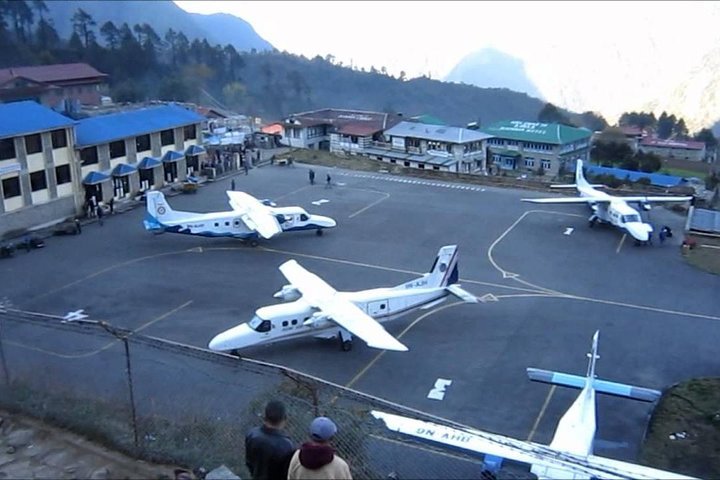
(236, 337)
(326, 222)
(639, 234)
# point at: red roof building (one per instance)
(678, 149)
(50, 85)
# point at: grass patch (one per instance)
(682, 172)
(692, 408)
(706, 254)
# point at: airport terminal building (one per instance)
(38, 179)
(532, 146)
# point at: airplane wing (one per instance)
(561, 465)
(254, 214)
(577, 200)
(656, 199)
(322, 296)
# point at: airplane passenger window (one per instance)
(382, 306)
(227, 224)
(217, 224)
(294, 322)
(285, 323)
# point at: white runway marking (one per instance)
(438, 392)
(321, 201)
(568, 231)
(75, 316)
(426, 183)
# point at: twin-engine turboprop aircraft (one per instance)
(248, 220)
(315, 308)
(609, 208)
(570, 453)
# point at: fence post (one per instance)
(132, 392)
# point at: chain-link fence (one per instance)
(165, 402)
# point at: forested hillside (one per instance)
(147, 64)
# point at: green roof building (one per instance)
(535, 146)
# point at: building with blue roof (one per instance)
(125, 152)
(531, 146)
(656, 179)
(38, 178)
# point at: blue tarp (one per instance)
(93, 178)
(656, 179)
(22, 118)
(193, 150)
(123, 169)
(116, 126)
(148, 163)
(172, 156)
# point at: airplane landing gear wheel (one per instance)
(253, 243)
(346, 345)
(235, 353)
(319, 232)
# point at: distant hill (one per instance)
(492, 68)
(161, 15)
(279, 83)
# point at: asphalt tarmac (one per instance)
(547, 282)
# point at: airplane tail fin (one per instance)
(600, 386)
(579, 176)
(157, 211)
(444, 270)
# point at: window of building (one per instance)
(407, 164)
(392, 160)
(38, 181)
(7, 148)
(11, 187)
(59, 138)
(142, 143)
(436, 167)
(89, 155)
(167, 137)
(530, 162)
(545, 164)
(190, 132)
(117, 149)
(421, 166)
(33, 144)
(62, 174)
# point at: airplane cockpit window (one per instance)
(260, 325)
(630, 218)
(303, 217)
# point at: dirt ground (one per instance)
(684, 432)
(706, 253)
(32, 449)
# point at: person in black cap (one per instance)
(316, 459)
(267, 449)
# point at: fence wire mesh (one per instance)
(171, 403)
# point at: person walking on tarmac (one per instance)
(311, 174)
(328, 181)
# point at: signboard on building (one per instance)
(10, 168)
(398, 142)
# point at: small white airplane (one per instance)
(570, 453)
(609, 208)
(249, 219)
(316, 308)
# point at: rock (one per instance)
(20, 438)
(10, 450)
(100, 474)
(70, 470)
(221, 473)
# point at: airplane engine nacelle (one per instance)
(288, 293)
(645, 206)
(318, 320)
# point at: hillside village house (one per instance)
(431, 147)
(125, 152)
(53, 85)
(531, 146)
(336, 130)
(676, 149)
(38, 179)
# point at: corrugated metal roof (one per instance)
(22, 118)
(552, 133)
(438, 133)
(116, 126)
(656, 179)
(62, 72)
(660, 143)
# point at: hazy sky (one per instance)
(595, 46)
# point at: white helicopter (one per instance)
(609, 208)
(315, 308)
(570, 453)
(249, 219)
